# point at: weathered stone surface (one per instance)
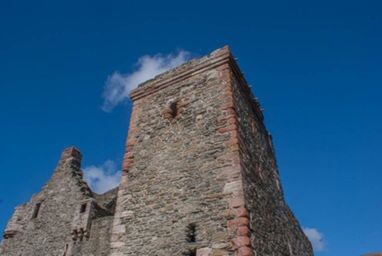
(274, 228)
(49, 230)
(192, 157)
(199, 178)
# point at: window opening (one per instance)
(83, 208)
(174, 108)
(36, 210)
(191, 233)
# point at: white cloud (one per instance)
(102, 178)
(119, 85)
(316, 238)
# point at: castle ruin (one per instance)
(199, 178)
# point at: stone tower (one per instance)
(199, 179)
(199, 173)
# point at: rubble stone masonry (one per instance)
(198, 154)
(199, 179)
(50, 223)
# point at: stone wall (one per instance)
(171, 199)
(274, 229)
(198, 155)
(199, 179)
(98, 243)
(45, 225)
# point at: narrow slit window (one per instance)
(36, 210)
(83, 208)
(191, 233)
(174, 109)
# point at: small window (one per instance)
(191, 233)
(36, 210)
(174, 109)
(83, 208)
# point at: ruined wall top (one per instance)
(71, 152)
(64, 212)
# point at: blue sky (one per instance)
(315, 66)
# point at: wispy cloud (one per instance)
(102, 178)
(316, 238)
(118, 85)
